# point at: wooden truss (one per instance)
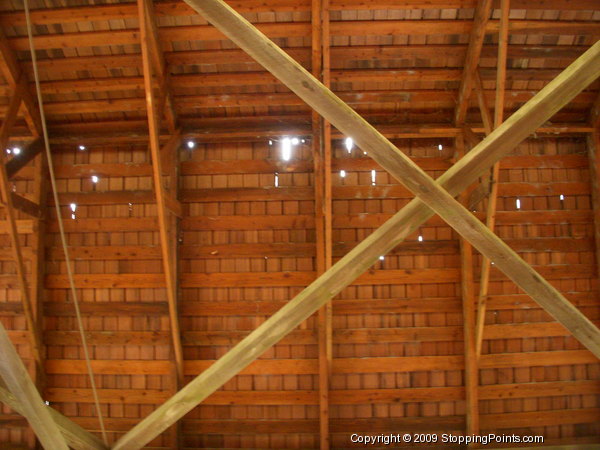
(432, 197)
(438, 196)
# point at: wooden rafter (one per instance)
(165, 102)
(302, 29)
(323, 208)
(480, 21)
(165, 220)
(168, 206)
(546, 103)
(31, 405)
(468, 308)
(254, 129)
(593, 142)
(495, 176)
(47, 16)
(343, 54)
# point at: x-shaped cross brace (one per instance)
(430, 194)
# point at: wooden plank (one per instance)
(58, 15)
(340, 365)
(302, 29)
(152, 41)
(338, 396)
(31, 405)
(467, 289)
(322, 155)
(495, 177)
(593, 143)
(74, 435)
(480, 22)
(338, 77)
(536, 419)
(248, 279)
(268, 166)
(304, 193)
(361, 101)
(216, 130)
(306, 337)
(342, 221)
(166, 240)
(263, 308)
(343, 54)
(550, 99)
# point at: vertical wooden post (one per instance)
(468, 307)
(493, 195)
(322, 157)
(593, 142)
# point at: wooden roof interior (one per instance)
(246, 238)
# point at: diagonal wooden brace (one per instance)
(75, 436)
(18, 382)
(437, 196)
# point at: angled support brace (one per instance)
(75, 436)
(437, 195)
(480, 21)
(16, 378)
(159, 64)
(165, 203)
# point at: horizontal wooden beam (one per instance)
(337, 396)
(47, 16)
(303, 29)
(340, 365)
(584, 300)
(443, 100)
(259, 129)
(340, 56)
(302, 337)
(575, 216)
(270, 166)
(297, 278)
(195, 427)
(345, 76)
(297, 250)
(362, 192)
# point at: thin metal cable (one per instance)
(61, 225)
